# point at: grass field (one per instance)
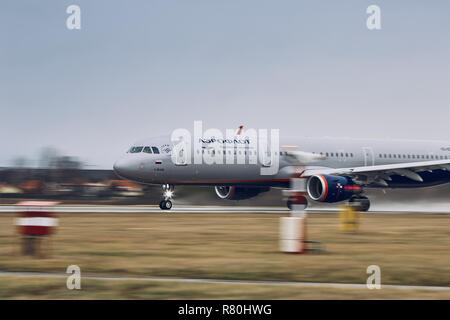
(410, 250)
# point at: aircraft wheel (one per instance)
(298, 200)
(360, 203)
(289, 204)
(365, 204)
(165, 205)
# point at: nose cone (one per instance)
(122, 168)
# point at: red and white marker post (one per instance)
(36, 221)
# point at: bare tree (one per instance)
(20, 162)
(48, 157)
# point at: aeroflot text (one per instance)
(243, 147)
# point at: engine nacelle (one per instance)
(238, 193)
(326, 188)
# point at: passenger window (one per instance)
(147, 150)
(155, 150)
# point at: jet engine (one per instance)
(239, 193)
(327, 188)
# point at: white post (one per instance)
(293, 228)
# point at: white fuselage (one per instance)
(164, 168)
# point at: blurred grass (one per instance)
(44, 288)
(410, 249)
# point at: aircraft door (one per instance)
(181, 154)
(369, 159)
(266, 160)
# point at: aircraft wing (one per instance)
(380, 174)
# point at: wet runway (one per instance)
(196, 209)
(150, 209)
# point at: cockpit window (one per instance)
(155, 150)
(136, 149)
(147, 150)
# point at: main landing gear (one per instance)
(295, 200)
(360, 203)
(166, 203)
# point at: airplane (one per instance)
(333, 169)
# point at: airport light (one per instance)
(168, 194)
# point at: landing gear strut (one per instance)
(165, 203)
(360, 203)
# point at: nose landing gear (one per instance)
(166, 203)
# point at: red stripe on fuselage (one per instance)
(232, 181)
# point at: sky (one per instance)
(138, 69)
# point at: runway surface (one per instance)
(63, 208)
(149, 209)
(218, 281)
